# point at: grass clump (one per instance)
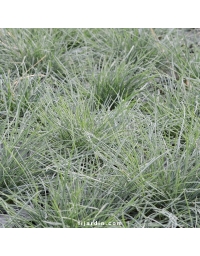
(99, 128)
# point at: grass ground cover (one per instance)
(99, 128)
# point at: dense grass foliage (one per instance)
(99, 126)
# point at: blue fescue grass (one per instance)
(99, 128)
